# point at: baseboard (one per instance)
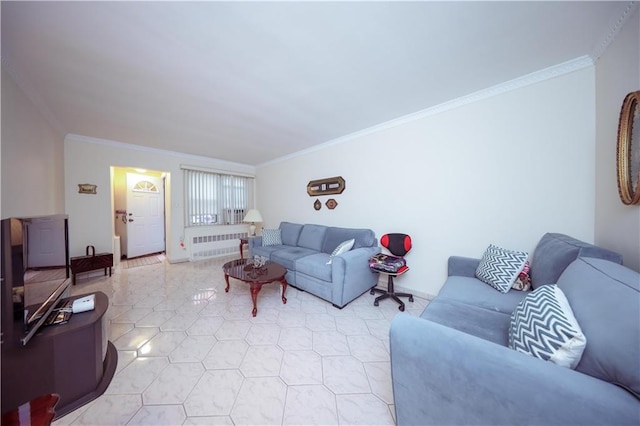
(179, 260)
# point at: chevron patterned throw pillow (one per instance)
(271, 237)
(343, 247)
(543, 326)
(500, 267)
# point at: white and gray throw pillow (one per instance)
(500, 267)
(543, 326)
(343, 247)
(271, 237)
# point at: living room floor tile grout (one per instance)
(189, 353)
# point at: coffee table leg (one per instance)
(226, 278)
(255, 289)
(284, 288)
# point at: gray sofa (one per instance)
(305, 250)
(453, 364)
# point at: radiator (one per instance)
(214, 241)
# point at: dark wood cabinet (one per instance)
(74, 360)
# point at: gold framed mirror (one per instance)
(628, 153)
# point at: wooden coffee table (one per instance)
(243, 270)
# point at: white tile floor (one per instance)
(189, 353)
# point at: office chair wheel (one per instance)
(375, 303)
(401, 307)
(371, 291)
(410, 298)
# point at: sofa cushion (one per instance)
(500, 267)
(343, 247)
(315, 265)
(288, 255)
(543, 326)
(290, 233)
(312, 237)
(555, 252)
(605, 298)
(484, 323)
(334, 236)
(266, 251)
(271, 237)
(474, 292)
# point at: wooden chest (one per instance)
(91, 262)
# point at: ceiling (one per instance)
(250, 82)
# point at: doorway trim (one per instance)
(114, 171)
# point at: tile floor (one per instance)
(191, 354)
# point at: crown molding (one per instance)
(533, 78)
(220, 165)
(626, 12)
(499, 89)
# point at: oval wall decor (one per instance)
(628, 153)
(327, 186)
(317, 205)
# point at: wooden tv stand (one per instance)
(66, 359)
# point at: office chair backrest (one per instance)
(397, 244)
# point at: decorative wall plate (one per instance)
(317, 205)
(327, 186)
(331, 204)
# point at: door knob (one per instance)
(130, 220)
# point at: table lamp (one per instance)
(252, 216)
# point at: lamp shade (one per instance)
(253, 215)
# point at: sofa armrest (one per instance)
(255, 242)
(463, 266)
(444, 376)
(351, 275)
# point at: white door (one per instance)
(145, 215)
(45, 242)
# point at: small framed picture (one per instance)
(87, 188)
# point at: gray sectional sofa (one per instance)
(305, 251)
(453, 365)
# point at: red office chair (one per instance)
(392, 265)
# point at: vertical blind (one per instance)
(216, 199)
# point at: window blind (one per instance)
(216, 199)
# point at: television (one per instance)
(35, 274)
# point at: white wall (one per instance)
(502, 170)
(91, 217)
(617, 73)
(32, 160)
